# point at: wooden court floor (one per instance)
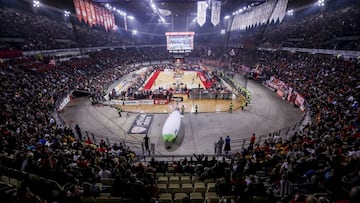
(190, 79)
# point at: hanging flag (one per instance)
(92, 11)
(78, 9)
(125, 24)
(215, 12)
(101, 16)
(106, 25)
(96, 7)
(83, 11)
(88, 12)
(113, 20)
(201, 12)
(283, 10)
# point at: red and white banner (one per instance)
(83, 10)
(106, 22)
(215, 12)
(92, 10)
(101, 15)
(94, 14)
(201, 12)
(161, 101)
(97, 17)
(88, 13)
(77, 9)
(113, 20)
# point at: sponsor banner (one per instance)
(131, 102)
(141, 124)
(290, 94)
(161, 101)
(299, 100)
(146, 102)
(178, 99)
(280, 93)
(276, 83)
(64, 102)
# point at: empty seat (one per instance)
(185, 179)
(14, 182)
(210, 194)
(210, 187)
(173, 179)
(5, 179)
(174, 188)
(195, 194)
(162, 188)
(165, 198)
(208, 180)
(162, 180)
(187, 188)
(199, 187)
(196, 197)
(179, 197)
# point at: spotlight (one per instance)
(321, 3)
(290, 12)
(66, 13)
(36, 3)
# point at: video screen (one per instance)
(180, 42)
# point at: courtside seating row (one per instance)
(186, 188)
(181, 179)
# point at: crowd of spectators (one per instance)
(325, 153)
(323, 157)
(33, 141)
(30, 31)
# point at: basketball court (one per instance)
(169, 79)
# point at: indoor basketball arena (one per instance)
(187, 101)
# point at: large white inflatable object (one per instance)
(171, 126)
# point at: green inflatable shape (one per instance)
(168, 137)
